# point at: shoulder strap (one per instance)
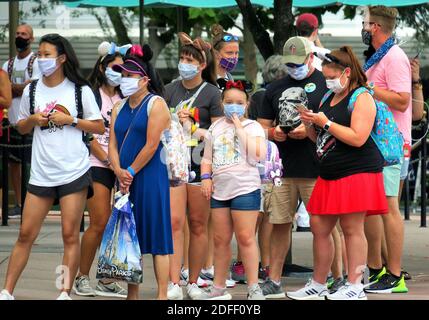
(355, 95)
(78, 99)
(325, 97)
(133, 120)
(10, 67)
(32, 95)
(98, 99)
(30, 65)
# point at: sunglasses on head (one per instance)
(333, 59)
(227, 38)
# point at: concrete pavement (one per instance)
(38, 279)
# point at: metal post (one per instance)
(141, 17)
(423, 182)
(407, 200)
(5, 169)
(179, 26)
(13, 25)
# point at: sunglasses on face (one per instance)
(370, 23)
(293, 65)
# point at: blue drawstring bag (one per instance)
(120, 255)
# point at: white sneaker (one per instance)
(229, 283)
(174, 292)
(194, 292)
(184, 277)
(64, 296)
(311, 291)
(349, 292)
(204, 283)
(254, 292)
(5, 295)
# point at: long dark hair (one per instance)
(71, 65)
(155, 85)
(345, 58)
(98, 78)
(209, 73)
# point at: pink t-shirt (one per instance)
(393, 73)
(103, 139)
(233, 175)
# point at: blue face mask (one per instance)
(113, 78)
(187, 71)
(230, 109)
(298, 73)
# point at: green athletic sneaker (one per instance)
(388, 284)
(373, 278)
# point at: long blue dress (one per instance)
(149, 191)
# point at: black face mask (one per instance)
(366, 37)
(21, 44)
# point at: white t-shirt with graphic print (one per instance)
(59, 156)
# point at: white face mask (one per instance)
(335, 84)
(129, 86)
(47, 66)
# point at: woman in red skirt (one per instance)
(350, 185)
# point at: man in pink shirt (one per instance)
(389, 72)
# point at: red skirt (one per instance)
(362, 192)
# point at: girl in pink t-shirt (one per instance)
(231, 181)
(105, 83)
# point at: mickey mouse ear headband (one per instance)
(242, 85)
(106, 48)
(197, 43)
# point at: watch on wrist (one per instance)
(74, 123)
(327, 125)
(418, 81)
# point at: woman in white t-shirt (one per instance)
(60, 160)
(105, 83)
(233, 147)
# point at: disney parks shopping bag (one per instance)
(120, 254)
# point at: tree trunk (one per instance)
(283, 24)
(250, 63)
(260, 35)
(120, 28)
(158, 42)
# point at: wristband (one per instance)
(131, 170)
(206, 176)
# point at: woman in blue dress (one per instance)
(135, 154)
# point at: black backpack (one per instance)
(86, 137)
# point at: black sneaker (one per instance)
(263, 274)
(303, 229)
(15, 212)
(406, 275)
(388, 284)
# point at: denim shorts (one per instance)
(246, 202)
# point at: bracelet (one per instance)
(106, 162)
(206, 176)
(131, 170)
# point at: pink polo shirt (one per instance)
(393, 73)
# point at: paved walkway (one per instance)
(38, 279)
